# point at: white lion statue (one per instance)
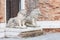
(17, 22)
(32, 17)
(22, 20)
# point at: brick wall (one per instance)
(50, 9)
(51, 30)
(2, 10)
(30, 5)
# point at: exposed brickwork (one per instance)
(2, 10)
(30, 5)
(50, 9)
(51, 29)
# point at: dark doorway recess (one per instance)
(12, 8)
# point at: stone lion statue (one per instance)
(17, 22)
(32, 18)
(23, 21)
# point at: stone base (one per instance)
(31, 33)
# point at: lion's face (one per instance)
(21, 15)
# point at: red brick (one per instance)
(50, 8)
(2, 10)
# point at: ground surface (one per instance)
(50, 36)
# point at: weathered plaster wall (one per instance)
(50, 9)
(2, 10)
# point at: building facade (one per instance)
(50, 9)
(2, 10)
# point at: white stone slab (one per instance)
(2, 25)
(13, 32)
(2, 34)
(22, 30)
(49, 24)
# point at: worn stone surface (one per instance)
(31, 33)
